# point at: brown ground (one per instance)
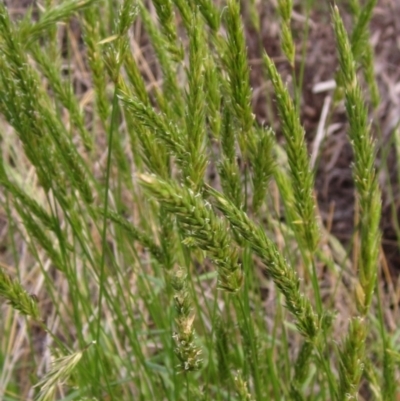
(334, 183)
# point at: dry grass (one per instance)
(334, 191)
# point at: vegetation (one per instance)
(128, 272)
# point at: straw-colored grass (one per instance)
(114, 116)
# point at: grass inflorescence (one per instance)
(151, 212)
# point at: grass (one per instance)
(127, 272)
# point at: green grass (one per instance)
(127, 272)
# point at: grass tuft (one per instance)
(154, 210)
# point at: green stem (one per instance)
(104, 231)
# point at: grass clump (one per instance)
(190, 287)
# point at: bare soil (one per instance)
(334, 183)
